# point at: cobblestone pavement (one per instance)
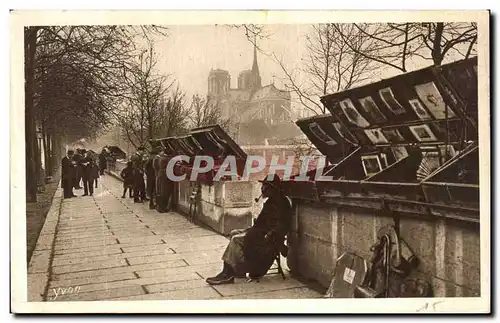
(106, 247)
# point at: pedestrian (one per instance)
(68, 168)
(151, 178)
(87, 176)
(102, 161)
(139, 185)
(253, 250)
(94, 173)
(164, 185)
(77, 159)
(127, 174)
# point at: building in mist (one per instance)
(258, 114)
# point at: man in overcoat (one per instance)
(254, 250)
(151, 177)
(68, 172)
(88, 180)
(164, 185)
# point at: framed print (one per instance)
(352, 114)
(383, 158)
(423, 133)
(399, 153)
(321, 134)
(371, 164)
(393, 135)
(419, 109)
(376, 136)
(433, 100)
(390, 101)
(342, 131)
(372, 109)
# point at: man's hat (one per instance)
(274, 181)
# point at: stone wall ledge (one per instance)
(402, 207)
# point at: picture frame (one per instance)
(352, 114)
(390, 101)
(371, 109)
(393, 135)
(419, 109)
(423, 133)
(371, 164)
(433, 100)
(399, 152)
(342, 131)
(321, 134)
(376, 136)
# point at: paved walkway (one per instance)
(108, 248)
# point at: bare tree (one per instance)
(330, 65)
(207, 111)
(394, 45)
(254, 32)
(173, 116)
(54, 55)
(142, 106)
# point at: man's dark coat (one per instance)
(274, 219)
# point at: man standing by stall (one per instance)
(67, 174)
(151, 177)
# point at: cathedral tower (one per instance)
(256, 79)
(219, 82)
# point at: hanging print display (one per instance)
(352, 114)
(419, 109)
(342, 131)
(390, 101)
(371, 109)
(423, 133)
(429, 94)
(376, 136)
(321, 134)
(371, 164)
(393, 135)
(399, 153)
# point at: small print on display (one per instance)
(399, 153)
(376, 136)
(371, 164)
(321, 134)
(352, 114)
(371, 109)
(429, 94)
(390, 101)
(423, 133)
(419, 109)
(393, 135)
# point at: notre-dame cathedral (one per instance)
(258, 114)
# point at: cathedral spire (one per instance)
(255, 68)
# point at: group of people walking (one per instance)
(156, 187)
(81, 167)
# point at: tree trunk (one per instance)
(47, 152)
(30, 35)
(437, 55)
(55, 151)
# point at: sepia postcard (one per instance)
(250, 162)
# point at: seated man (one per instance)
(254, 250)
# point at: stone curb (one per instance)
(39, 266)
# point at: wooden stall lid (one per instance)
(328, 135)
(214, 139)
(435, 102)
